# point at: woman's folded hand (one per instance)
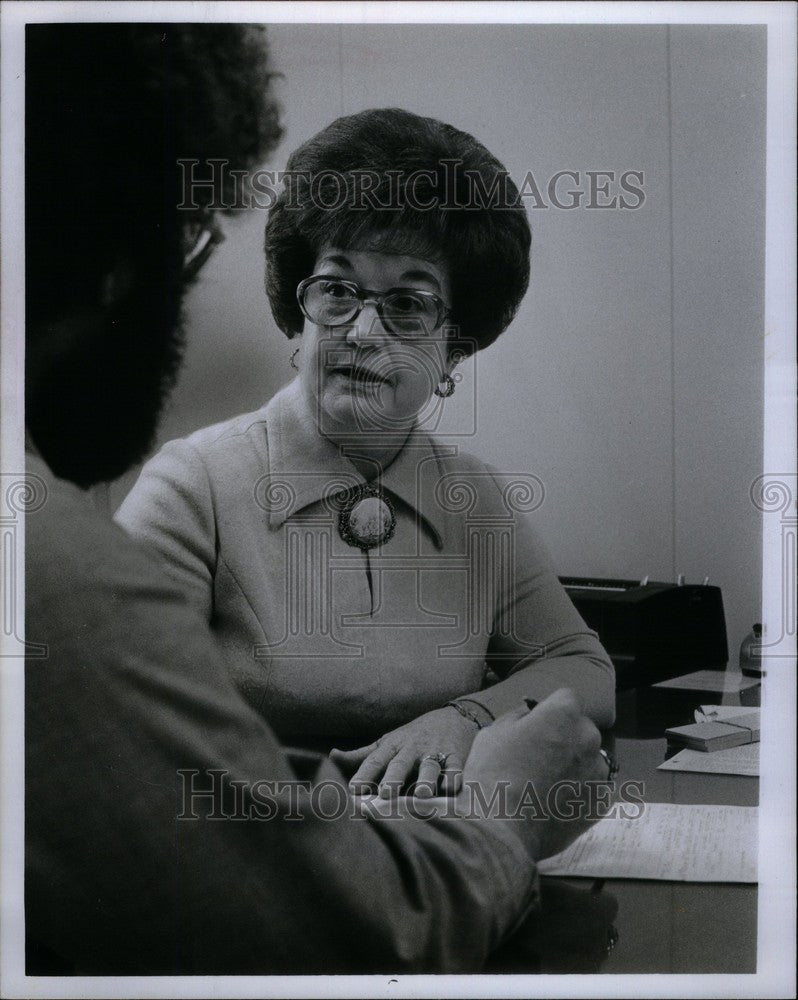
(425, 756)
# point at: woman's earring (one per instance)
(447, 382)
(294, 365)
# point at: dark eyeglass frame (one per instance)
(367, 296)
(202, 236)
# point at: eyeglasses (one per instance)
(407, 313)
(200, 237)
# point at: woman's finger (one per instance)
(352, 757)
(452, 775)
(372, 768)
(429, 771)
(396, 774)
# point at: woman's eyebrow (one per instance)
(338, 259)
(418, 275)
(411, 275)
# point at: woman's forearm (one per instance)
(587, 670)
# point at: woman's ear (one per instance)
(295, 346)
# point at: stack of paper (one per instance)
(720, 713)
(669, 842)
(739, 760)
(712, 736)
(709, 680)
(742, 760)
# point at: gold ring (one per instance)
(612, 764)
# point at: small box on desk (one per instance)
(709, 736)
(653, 631)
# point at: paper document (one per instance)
(669, 842)
(710, 680)
(719, 713)
(736, 760)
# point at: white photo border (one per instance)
(777, 895)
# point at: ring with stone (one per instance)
(439, 758)
(611, 762)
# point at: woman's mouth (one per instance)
(357, 375)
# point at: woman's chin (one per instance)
(352, 409)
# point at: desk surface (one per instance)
(660, 927)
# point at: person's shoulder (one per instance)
(456, 459)
(72, 548)
(454, 462)
(220, 441)
(220, 436)
(505, 491)
(214, 454)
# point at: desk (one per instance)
(662, 927)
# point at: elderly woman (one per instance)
(372, 587)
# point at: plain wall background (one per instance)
(631, 381)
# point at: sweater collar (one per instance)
(305, 466)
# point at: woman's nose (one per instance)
(366, 326)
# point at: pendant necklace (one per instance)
(367, 518)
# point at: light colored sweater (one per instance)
(325, 639)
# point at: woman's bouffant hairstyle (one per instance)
(390, 180)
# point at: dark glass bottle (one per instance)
(751, 654)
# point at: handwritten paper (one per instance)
(668, 842)
(736, 760)
(710, 680)
(719, 713)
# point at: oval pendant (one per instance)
(367, 519)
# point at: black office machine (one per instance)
(653, 630)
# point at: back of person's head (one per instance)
(391, 180)
(110, 110)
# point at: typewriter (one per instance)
(653, 630)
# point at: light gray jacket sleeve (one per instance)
(540, 642)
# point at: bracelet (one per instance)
(467, 713)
